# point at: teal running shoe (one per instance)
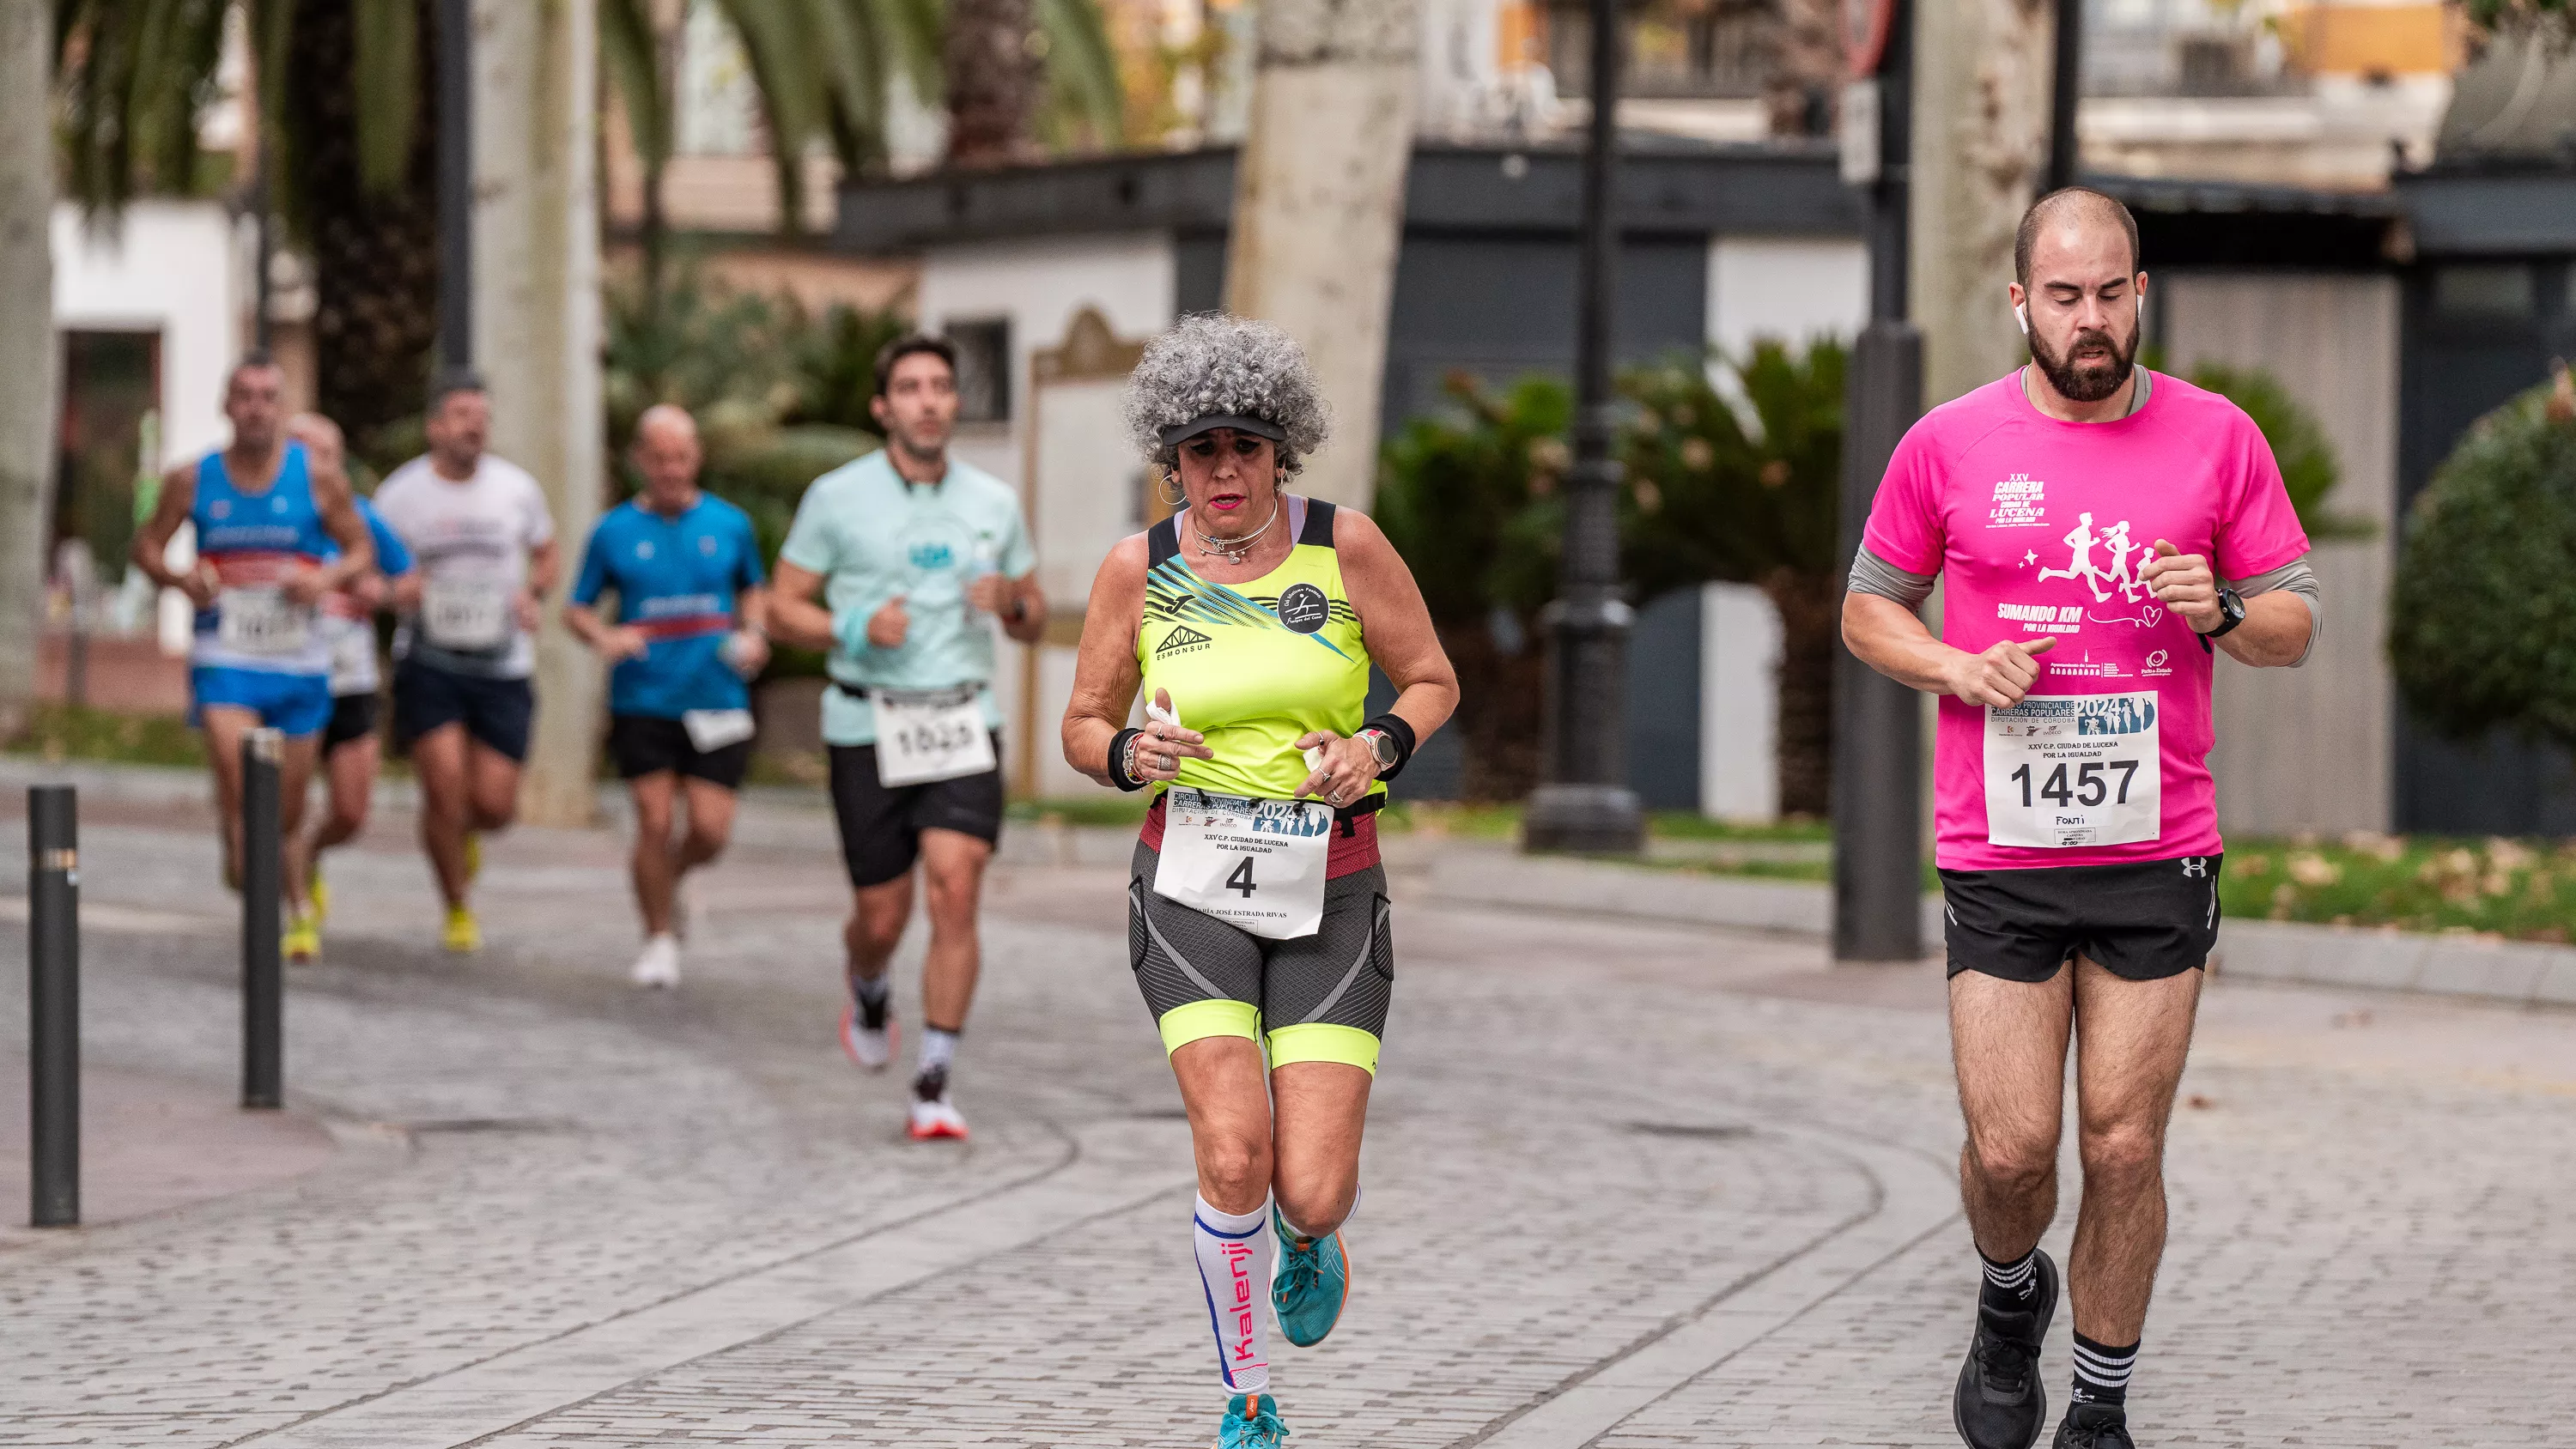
(1251, 1422)
(1313, 1281)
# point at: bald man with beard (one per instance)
(691, 629)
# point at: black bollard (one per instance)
(263, 881)
(53, 1005)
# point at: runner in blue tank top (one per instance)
(691, 628)
(276, 532)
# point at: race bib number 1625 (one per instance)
(2070, 770)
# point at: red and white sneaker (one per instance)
(936, 1117)
(871, 1047)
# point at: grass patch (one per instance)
(75, 732)
(2521, 890)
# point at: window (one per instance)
(983, 368)
(2485, 292)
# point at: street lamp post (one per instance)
(1878, 723)
(2065, 89)
(1584, 803)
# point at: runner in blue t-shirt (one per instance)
(275, 535)
(351, 752)
(690, 629)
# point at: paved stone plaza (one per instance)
(1625, 1186)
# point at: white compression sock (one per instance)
(938, 1049)
(1234, 1252)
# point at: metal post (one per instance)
(1585, 803)
(1878, 730)
(263, 878)
(2065, 90)
(456, 182)
(53, 1005)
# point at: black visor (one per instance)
(1180, 433)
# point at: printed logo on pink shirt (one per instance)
(2020, 502)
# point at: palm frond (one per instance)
(387, 35)
(630, 52)
(1081, 73)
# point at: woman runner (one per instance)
(1257, 908)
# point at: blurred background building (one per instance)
(2366, 201)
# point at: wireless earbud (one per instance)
(2021, 317)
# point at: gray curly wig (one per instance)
(1213, 363)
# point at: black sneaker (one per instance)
(2095, 1426)
(2000, 1403)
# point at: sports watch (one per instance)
(2231, 612)
(1382, 745)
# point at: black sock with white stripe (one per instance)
(2009, 1286)
(2102, 1373)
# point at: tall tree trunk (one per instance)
(28, 384)
(1981, 82)
(536, 331)
(1810, 623)
(1319, 206)
(991, 76)
(375, 252)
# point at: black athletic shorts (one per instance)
(881, 828)
(644, 744)
(353, 717)
(497, 712)
(2143, 921)
(1318, 998)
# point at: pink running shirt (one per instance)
(2038, 528)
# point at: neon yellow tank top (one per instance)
(1255, 666)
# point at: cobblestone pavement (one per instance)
(1625, 1186)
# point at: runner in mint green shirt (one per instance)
(899, 566)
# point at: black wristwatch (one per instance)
(1384, 746)
(2231, 612)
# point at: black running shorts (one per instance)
(643, 744)
(496, 712)
(353, 718)
(1318, 998)
(881, 828)
(2143, 921)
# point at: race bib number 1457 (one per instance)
(2070, 770)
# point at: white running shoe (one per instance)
(936, 1117)
(659, 966)
(871, 1047)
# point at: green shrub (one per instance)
(2482, 628)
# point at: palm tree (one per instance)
(345, 98)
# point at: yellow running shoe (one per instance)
(464, 935)
(302, 940)
(319, 894)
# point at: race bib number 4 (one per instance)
(930, 735)
(2069, 770)
(1257, 865)
(262, 621)
(468, 615)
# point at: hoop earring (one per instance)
(1168, 485)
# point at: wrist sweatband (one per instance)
(1118, 775)
(850, 631)
(1400, 732)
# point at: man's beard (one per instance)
(2092, 381)
(924, 446)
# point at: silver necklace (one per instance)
(1233, 550)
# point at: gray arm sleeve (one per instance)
(1871, 574)
(2299, 579)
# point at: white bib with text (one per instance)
(469, 615)
(1257, 865)
(927, 735)
(2070, 770)
(711, 730)
(262, 622)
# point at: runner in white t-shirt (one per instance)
(2100, 531)
(486, 552)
